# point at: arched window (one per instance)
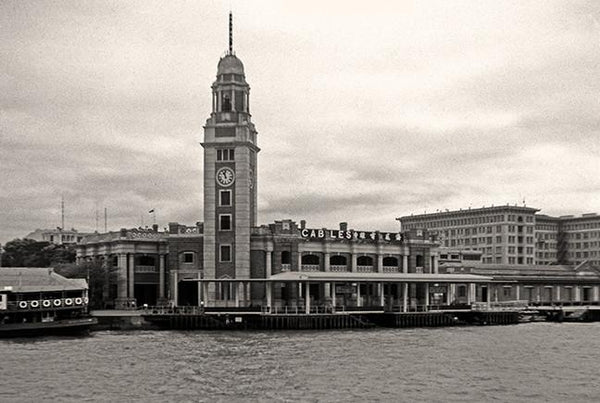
(390, 261)
(285, 257)
(364, 261)
(226, 106)
(337, 260)
(310, 259)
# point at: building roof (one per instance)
(481, 210)
(134, 234)
(326, 277)
(230, 64)
(378, 277)
(529, 272)
(37, 279)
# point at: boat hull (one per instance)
(62, 327)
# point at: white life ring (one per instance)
(46, 303)
(57, 302)
(22, 304)
(68, 301)
(85, 300)
(34, 303)
(78, 301)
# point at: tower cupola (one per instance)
(230, 64)
(230, 90)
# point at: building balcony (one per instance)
(338, 268)
(311, 267)
(286, 267)
(390, 269)
(145, 269)
(364, 269)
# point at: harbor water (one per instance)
(536, 362)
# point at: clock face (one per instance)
(225, 176)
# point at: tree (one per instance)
(101, 280)
(31, 253)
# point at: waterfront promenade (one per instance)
(324, 318)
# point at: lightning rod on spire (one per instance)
(230, 33)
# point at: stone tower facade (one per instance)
(230, 173)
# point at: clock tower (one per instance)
(230, 163)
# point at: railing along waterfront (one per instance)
(427, 308)
(176, 310)
(301, 310)
(562, 303)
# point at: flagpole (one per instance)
(153, 212)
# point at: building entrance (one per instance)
(187, 293)
(146, 294)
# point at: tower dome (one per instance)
(230, 64)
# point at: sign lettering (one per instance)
(351, 235)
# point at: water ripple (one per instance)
(532, 362)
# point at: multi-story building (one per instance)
(57, 236)
(579, 239)
(503, 234)
(546, 240)
(515, 235)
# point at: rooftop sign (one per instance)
(351, 235)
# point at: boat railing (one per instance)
(47, 304)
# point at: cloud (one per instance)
(364, 114)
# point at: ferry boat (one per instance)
(38, 301)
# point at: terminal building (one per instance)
(230, 260)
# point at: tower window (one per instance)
(225, 222)
(225, 154)
(226, 107)
(225, 198)
(225, 253)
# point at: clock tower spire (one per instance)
(230, 164)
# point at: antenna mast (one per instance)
(62, 212)
(105, 221)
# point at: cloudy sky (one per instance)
(366, 111)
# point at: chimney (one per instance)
(155, 227)
(343, 226)
(302, 224)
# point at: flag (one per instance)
(151, 211)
